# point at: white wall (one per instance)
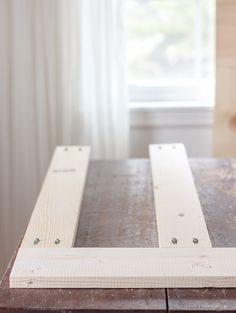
(189, 125)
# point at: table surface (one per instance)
(118, 211)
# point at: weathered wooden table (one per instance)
(118, 211)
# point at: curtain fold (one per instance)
(62, 82)
(102, 52)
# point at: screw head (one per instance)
(57, 241)
(36, 241)
(195, 241)
(174, 241)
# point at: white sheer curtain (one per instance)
(102, 60)
(62, 81)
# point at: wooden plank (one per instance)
(225, 91)
(111, 215)
(124, 268)
(215, 179)
(216, 191)
(56, 213)
(118, 208)
(180, 220)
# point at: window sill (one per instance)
(171, 114)
(171, 105)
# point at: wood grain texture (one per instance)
(122, 209)
(117, 210)
(54, 220)
(216, 184)
(225, 110)
(124, 268)
(180, 220)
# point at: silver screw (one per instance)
(36, 241)
(174, 241)
(57, 241)
(66, 149)
(80, 149)
(195, 241)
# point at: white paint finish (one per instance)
(124, 268)
(171, 116)
(190, 125)
(197, 140)
(178, 209)
(57, 209)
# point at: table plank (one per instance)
(216, 184)
(103, 223)
(117, 211)
(179, 215)
(61, 195)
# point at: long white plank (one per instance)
(180, 220)
(124, 268)
(54, 220)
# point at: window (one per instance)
(170, 50)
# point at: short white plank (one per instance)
(124, 268)
(180, 220)
(54, 220)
